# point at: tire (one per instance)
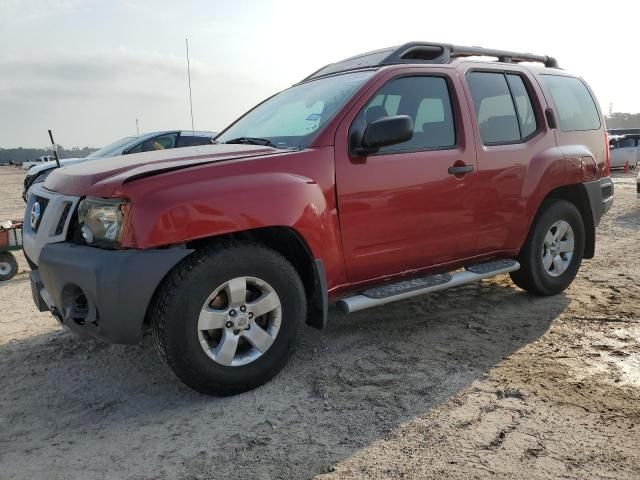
(536, 275)
(188, 295)
(8, 266)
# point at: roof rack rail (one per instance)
(444, 52)
(427, 52)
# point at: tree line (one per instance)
(623, 120)
(25, 154)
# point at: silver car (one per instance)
(145, 142)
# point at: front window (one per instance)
(160, 142)
(112, 149)
(426, 100)
(292, 118)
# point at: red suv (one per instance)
(387, 175)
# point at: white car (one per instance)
(38, 161)
(140, 143)
(625, 149)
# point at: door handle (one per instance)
(460, 169)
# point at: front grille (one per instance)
(63, 218)
(56, 212)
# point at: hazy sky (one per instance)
(88, 69)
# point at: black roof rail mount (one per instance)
(427, 52)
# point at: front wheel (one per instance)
(553, 251)
(226, 319)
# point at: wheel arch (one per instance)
(291, 245)
(576, 194)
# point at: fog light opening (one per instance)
(76, 306)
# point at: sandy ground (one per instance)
(482, 381)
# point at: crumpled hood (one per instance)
(79, 179)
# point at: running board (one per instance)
(418, 286)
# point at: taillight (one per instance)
(607, 155)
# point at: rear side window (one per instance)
(426, 100)
(503, 107)
(574, 104)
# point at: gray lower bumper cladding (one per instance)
(101, 293)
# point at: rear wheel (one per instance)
(8, 266)
(226, 319)
(552, 254)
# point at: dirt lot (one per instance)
(482, 381)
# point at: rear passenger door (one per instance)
(400, 209)
(510, 134)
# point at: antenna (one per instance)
(54, 147)
(193, 130)
(137, 127)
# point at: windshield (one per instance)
(293, 117)
(111, 149)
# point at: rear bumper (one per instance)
(600, 193)
(100, 293)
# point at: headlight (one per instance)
(42, 176)
(102, 220)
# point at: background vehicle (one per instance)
(38, 161)
(140, 143)
(384, 176)
(625, 150)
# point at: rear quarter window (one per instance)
(574, 105)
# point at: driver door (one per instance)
(403, 208)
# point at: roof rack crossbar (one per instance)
(503, 55)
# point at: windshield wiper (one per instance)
(253, 141)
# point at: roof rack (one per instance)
(427, 52)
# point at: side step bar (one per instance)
(418, 286)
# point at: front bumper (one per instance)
(100, 293)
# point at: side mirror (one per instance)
(384, 132)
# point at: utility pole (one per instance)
(137, 127)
